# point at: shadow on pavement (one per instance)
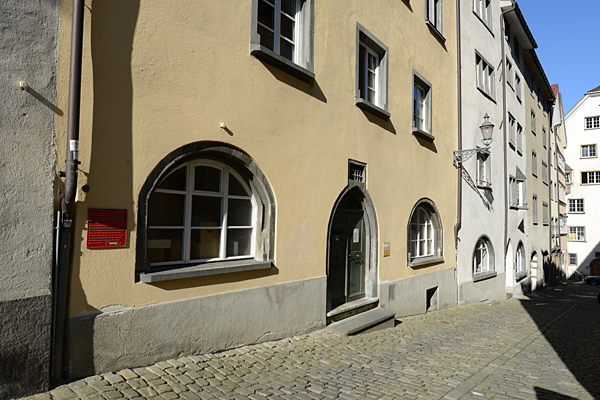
(569, 319)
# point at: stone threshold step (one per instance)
(368, 321)
(352, 308)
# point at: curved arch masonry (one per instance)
(371, 238)
(225, 153)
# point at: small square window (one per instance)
(357, 171)
(576, 206)
(371, 73)
(590, 177)
(592, 122)
(577, 233)
(421, 106)
(572, 259)
(588, 151)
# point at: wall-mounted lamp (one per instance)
(487, 130)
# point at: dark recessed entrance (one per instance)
(347, 251)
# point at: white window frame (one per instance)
(544, 172)
(421, 102)
(509, 74)
(589, 149)
(483, 257)
(519, 139)
(518, 86)
(368, 46)
(434, 15)
(189, 194)
(482, 172)
(533, 124)
(484, 75)
(576, 233)
(592, 122)
(424, 227)
(277, 34)
(483, 10)
(545, 213)
(544, 138)
(518, 192)
(591, 177)
(573, 259)
(535, 209)
(520, 266)
(512, 130)
(576, 206)
(568, 178)
(534, 163)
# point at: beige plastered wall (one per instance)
(159, 75)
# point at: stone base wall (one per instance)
(419, 294)
(25, 331)
(137, 336)
(491, 289)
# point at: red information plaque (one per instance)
(106, 227)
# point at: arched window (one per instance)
(205, 209)
(425, 234)
(483, 257)
(520, 268)
(201, 211)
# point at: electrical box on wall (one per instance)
(106, 227)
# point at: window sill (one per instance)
(436, 32)
(422, 134)
(520, 275)
(482, 276)
(418, 262)
(372, 108)
(487, 95)
(484, 23)
(518, 207)
(269, 57)
(519, 152)
(193, 271)
(487, 186)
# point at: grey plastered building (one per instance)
(28, 65)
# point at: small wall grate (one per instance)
(357, 171)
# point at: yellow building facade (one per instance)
(276, 160)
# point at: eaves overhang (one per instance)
(536, 69)
(514, 17)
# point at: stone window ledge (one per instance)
(520, 275)
(482, 276)
(207, 269)
(418, 262)
(372, 108)
(282, 63)
(422, 134)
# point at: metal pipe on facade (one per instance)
(66, 212)
(459, 103)
(504, 111)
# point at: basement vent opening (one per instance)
(357, 171)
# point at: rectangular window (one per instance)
(535, 209)
(485, 76)
(509, 74)
(544, 172)
(517, 192)
(512, 132)
(421, 105)
(518, 86)
(568, 178)
(533, 127)
(544, 138)
(519, 139)
(483, 173)
(572, 259)
(592, 122)
(433, 14)
(588, 151)
(534, 164)
(371, 73)
(545, 213)
(577, 233)
(483, 9)
(590, 177)
(576, 205)
(280, 35)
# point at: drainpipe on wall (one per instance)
(550, 250)
(66, 212)
(459, 170)
(504, 141)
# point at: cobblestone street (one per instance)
(544, 346)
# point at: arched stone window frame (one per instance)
(491, 267)
(428, 207)
(244, 168)
(520, 266)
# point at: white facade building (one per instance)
(583, 125)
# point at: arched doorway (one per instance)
(352, 244)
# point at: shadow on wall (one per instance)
(585, 263)
(569, 319)
(110, 176)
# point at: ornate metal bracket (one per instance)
(460, 156)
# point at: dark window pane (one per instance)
(239, 213)
(361, 72)
(206, 211)
(165, 245)
(287, 28)
(266, 14)
(166, 209)
(175, 180)
(205, 243)
(208, 179)
(238, 242)
(289, 7)
(235, 187)
(266, 37)
(286, 49)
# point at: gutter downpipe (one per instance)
(66, 212)
(459, 120)
(550, 249)
(504, 111)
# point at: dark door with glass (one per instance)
(346, 275)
